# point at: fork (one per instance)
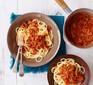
(21, 67)
(19, 53)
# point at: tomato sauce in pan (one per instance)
(79, 29)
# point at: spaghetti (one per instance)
(68, 72)
(37, 37)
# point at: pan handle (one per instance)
(64, 6)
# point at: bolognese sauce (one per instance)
(35, 41)
(37, 38)
(79, 29)
(71, 75)
(68, 72)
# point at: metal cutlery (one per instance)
(19, 54)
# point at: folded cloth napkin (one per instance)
(59, 20)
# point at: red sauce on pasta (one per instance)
(34, 41)
(70, 74)
(79, 29)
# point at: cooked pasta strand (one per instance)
(38, 38)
